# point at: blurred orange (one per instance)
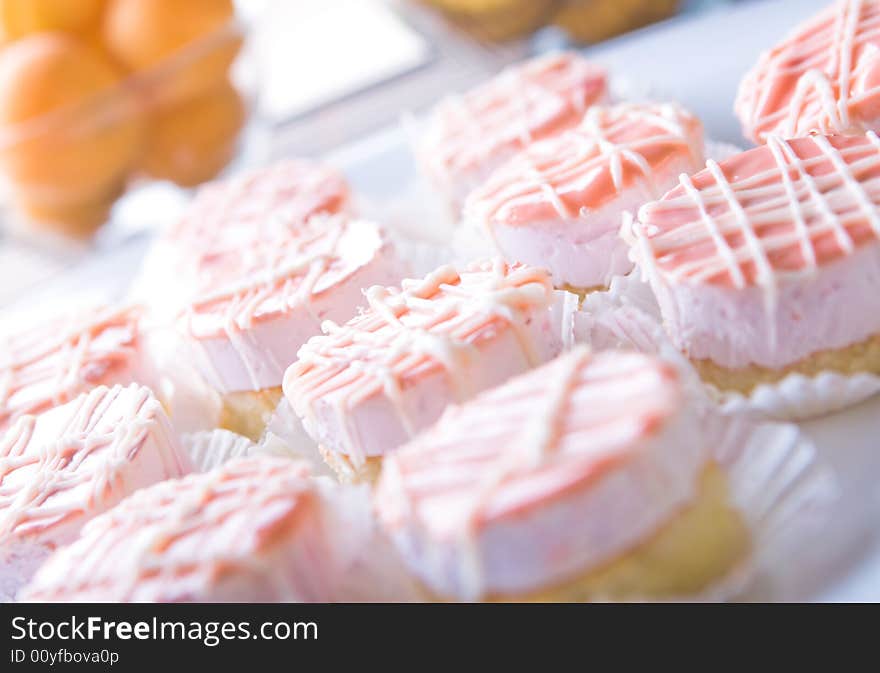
(192, 141)
(496, 20)
(60, 149)
(143, 33)
(78, 220)
(596, 20)
(23, 17)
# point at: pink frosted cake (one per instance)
(588, 478)
(280, 196)
(824, 77)
(51, 362)
(558, 204)
(769, 262)
(253, 529)
(365, 387)
(228, 216)
(469, 136)
(259, 301)
(63, 467)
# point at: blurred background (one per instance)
(113, 111)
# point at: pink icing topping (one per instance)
(523, 103)
(176, 539)
(824, 77)
(528, 441)
(266, 276)
(49, 364)
(783, 208)
(585, 167)
(226, 214)
(231, 216)
(429, 325)
(72, 461)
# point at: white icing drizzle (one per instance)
(179, 538)
(276, 274)
(608, 139)
(431, 322)
(521, 104)
(51, 363)
(796, 190)
(85, 450)
(528, 452)
(211, 448)
(824, 58)
(550, 428)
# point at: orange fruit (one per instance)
(23, 17)
(66, 136)
(142, 34)
(77, 220)
(191, 141)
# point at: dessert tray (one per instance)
(478, 501)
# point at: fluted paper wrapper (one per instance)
(369, 568)
(208, 449)
(786, 496)
(799, 397)
(285, 436)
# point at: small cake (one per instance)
(768, 263)
(61, 468)
(262, 298)
(823, 78)
(248, 274)
(469, 136)
(558, 204)
(51, 361)
(253, 529)
(367, 386)
(229, 214)
(586, 479)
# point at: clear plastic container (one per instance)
(180, 121)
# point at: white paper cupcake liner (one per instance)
(285, 436)
(799, 397)
(369, 569)
(211, 448)
(628, 316)
(786, 496)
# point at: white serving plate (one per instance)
(699, 62)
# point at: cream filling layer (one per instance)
(584, 251)
(831, 307)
